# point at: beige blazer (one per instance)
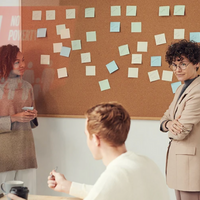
(183, 158)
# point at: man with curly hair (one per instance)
(182, 122)
(127, 176)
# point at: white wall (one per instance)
(61, 142)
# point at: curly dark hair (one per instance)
(189, 49)
(8, 54)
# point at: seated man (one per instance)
(127, 176)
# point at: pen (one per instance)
(54, 170)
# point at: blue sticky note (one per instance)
(114, 26)
(41, 32)
(155, 61)
(112, 67)
(175, 86)
(195, 36)
(65, 51)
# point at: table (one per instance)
(41, 197)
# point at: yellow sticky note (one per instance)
(153, 76)
(167, 75)
(36, 15)
(50, 14)
(136, 59)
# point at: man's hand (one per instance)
(58, 182)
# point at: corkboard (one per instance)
(71, 96)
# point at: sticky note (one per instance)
(50, 14)
(91, 36)
(136, 27)
(85, 57)
(179, 33)
(123, 50)
(115, 10)
(175, 86)
(142, 46)
(64, 33)
(57, 47)
(41, 32)
(164, 11)
(1, 17)
(160, 39)
(195, 36)
(76, 44)
(59, 28)
(62, 72)
(136, 59)
(89, 12)
(112, 67)
(132, 72)
(114, 26)
(104, 85)
(45, 59)
(90, 70)
(167, 75)
(70, 14)
(179, 10)
(153, 76)
(131, 10)
(36, 15)
(156, 61)
(65, 51)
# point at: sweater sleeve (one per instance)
(5, 124)
(80, 190)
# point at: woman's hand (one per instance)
(14, 197)
(58, 182)
(25, 116)
(175, 126)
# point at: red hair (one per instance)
(110, 121)
(8, 54)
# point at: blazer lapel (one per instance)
(188, 89)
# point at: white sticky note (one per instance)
(90, 70)
(62, 72)
(70, 13)
(153, 76)
(167, 75)
(179, 10)
(50, 14)
(89, 12)
(131, 10)
(45, 59)
(123, 50)
(85, 57)
(136, 59)
(132, 72)
(1, 17)
(64, 33)
(136, 27)
(164, 10)
(76, 44)
(179, 33)
(115, 10)
(160, 39)
(57, 47)
(104, 85)
(36, 15)
(59, 28)
(91, 36)
(142, 46)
